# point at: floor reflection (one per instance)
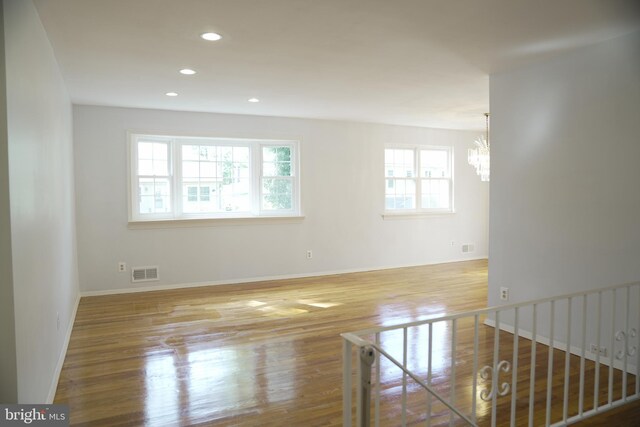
(161, 388)
(417, 354)
(213, 370)
(208, 383)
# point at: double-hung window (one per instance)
(418, 179)
(192, 177)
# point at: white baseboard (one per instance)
(257, 279)
(632, 369)
(63, 353)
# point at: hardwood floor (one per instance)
(261, 354)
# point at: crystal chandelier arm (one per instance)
(479, 157)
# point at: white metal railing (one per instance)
(500, 365)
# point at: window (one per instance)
(153, 177)
(189, 177)
(277, 182)
(418, 179)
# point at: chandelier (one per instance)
(479, 157)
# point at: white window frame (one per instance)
(418, 210)
(175, 143)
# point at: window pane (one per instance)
(190, 169)
(268, 154)
(434, 163)
(147, 204)
(154, 195)
(146, 187)
(161, 187)
(269, 169)
(224, 152)
(277, 194)
(241, 154)
(145, 167)
(399, 163)
(190, 152)
(207, 152)
(244, 171)
(153, 158)
(207, 169)
(197, 199)
(145, 150)
(276, 161)
(160, 167)
(160, 151)
(283, 168)
(190, 199)
(400, 194)
(284, 154)
(435, 193)
(236, 196)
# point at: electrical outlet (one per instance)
(594, 349)
(504, 294)
(309, 254)
(122, 267)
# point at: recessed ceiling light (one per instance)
(187, 71)
(253, 100)
(211, 36)
(171, 94)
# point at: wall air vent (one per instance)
(468, 247)
(144, 274)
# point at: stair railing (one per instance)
(552, 362)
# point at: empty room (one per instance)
(320, 213)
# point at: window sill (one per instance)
(414, 215)
(211, 222)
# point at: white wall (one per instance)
(8, 367)
(42, 201)
(565, 175)
(343, 224)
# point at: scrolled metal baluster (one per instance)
(624, 338)
(486, 373)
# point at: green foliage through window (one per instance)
(277, 184)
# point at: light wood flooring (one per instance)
(260, 354)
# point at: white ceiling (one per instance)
(409, 62)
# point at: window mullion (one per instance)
(295, 200)
(256, 178)
(134, 200)
(416, 159)
(451, 172)
(176, 174)
(450, 182)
